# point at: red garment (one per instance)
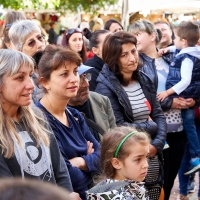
(90, 55)
(197, 112)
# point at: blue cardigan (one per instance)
(72, 142)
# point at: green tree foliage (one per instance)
(62, 5)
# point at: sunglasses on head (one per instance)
(8, 25)
(72, 30)
(32, 42)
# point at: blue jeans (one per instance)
(183, 179)
(191, 133)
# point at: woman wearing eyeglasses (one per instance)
(73, 39)
(58, 70)
(26, 36)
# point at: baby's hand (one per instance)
(162, 95)
(163, 51)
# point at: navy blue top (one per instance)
(72, 142)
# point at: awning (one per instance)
(165, 5)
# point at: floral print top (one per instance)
(118, 190)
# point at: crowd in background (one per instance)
(101, 112)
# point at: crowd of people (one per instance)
(126, 134)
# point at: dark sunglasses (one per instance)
(72, 30)
(32, 42)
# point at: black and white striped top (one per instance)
(140, 106)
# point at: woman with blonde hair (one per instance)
(27, 145)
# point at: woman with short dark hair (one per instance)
(58, 71)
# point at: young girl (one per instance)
(124, 153)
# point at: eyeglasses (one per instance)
(72, 30)
(84, 77)
(32, 42)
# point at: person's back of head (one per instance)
(189, 32)
(94, 40)
(18, 189)
(9, 18)
(13, 16)
(51, 24)
(87, 33)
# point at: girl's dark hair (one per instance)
(61, 32)
(109, 22)
(112, 49)
(54, 57)
(65, 43)
(110, 142)
(36, 57)
(87, 33)
(94, 40)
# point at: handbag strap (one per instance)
(90, 123)
(94, 125)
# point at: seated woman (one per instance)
(131, 92)
(58, 70)
(27, 145)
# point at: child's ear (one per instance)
(116, 163)
(184, 42)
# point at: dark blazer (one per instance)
(97, 63)
(110, 86)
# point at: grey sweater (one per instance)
(42, 163)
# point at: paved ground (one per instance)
(175, 190)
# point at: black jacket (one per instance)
(149, 68)
(110, 86)
(97, 63)
(52, 36)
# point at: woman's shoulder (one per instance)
(146, 82)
